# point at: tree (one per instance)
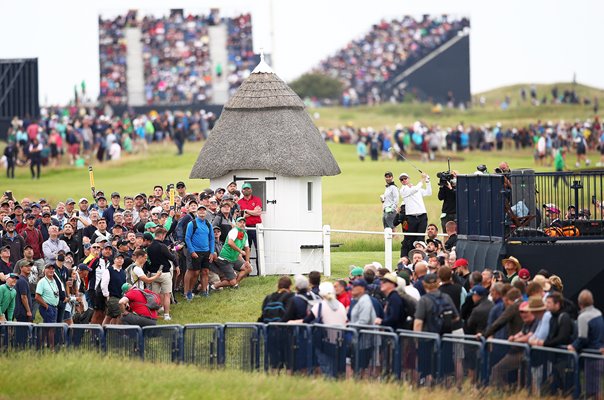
(317, 85)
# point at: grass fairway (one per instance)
(91, 376)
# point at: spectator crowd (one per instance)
(119, 259)
(178, 67)
(75, 136)
(365, 64)
(547, 139)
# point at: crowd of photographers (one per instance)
(119, 259)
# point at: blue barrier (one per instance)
(420, 357)
(244, 346)
(333, 349)
(202, 344)
(15, 336)
(379, 328)
(50, 336)
(86, 337)
(289, 347)
(507, 365)
(461, 360)
(124, 341)
(560, 371)
(592, 375)
(163, 343)
(377, 355)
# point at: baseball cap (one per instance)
(419, 242)
(70, 201)
(30, 216)
(356, 271)
(180, 185)
(147, 236)
(126, 287)
(220, 190)
(142, 195)
(388, 173)
(49, 266)
(202, 206)
(100, 239)
(122, 243)
(84, 267)
(403, 175)
(240, 219)
(115, 194)
(14, 276)
(7, 247)
(216, 228)
(461, 262)
(430, 278)
(150, 224)
(524, 274)
(46, 214)
(6, 219)
(27, 246)
(106, 245)
(360, 282)
(83, 199)
(246, 186)
(479, 290)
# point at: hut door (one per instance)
(270, 201)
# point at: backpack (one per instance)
(441, 318)
(314, 299)
(274, 309)
(409, 310)
(131, 279)
(194, 221)
(153, 302)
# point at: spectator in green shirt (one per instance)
(233, 262)
(560, 165)
(7, 298)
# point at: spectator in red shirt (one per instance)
(251, 208)
(135, 310)
(33, 236)
(342, 294)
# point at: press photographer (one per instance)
(447, 182)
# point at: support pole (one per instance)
(326, 250)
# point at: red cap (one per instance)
(460, 262)
(524, 274)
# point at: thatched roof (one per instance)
(264, 127)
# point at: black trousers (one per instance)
(253, 241)
(416, 224)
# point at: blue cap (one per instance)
(479, 290)
(359, 282)
(84, 267)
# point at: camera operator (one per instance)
(415, 209)
(389, 201)
(446, 194)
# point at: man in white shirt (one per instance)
(415, 209)
(389, 201)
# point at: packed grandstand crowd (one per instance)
(365, 64)
(178, 67)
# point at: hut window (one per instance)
(309, 196)
(259, 190)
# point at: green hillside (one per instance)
(497, 95)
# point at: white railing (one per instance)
(326, 232)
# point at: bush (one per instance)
(317, 85)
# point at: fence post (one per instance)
(260, 250)
(326, 250)
(388, 248)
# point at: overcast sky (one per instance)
(532, 41)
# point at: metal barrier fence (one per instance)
(461, 360)
(377, 355)
(124, 341)
(50, 336)
(244, 346)
(333, 349)
(202, 345)
(558, 371)
(507, 365)
(163, 343)
(592, 379)
(289, 347)
(86, 337)
(419, 358)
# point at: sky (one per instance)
(516, 41)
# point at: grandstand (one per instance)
(428, 57)
(176, 58)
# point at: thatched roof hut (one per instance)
(264, 127)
